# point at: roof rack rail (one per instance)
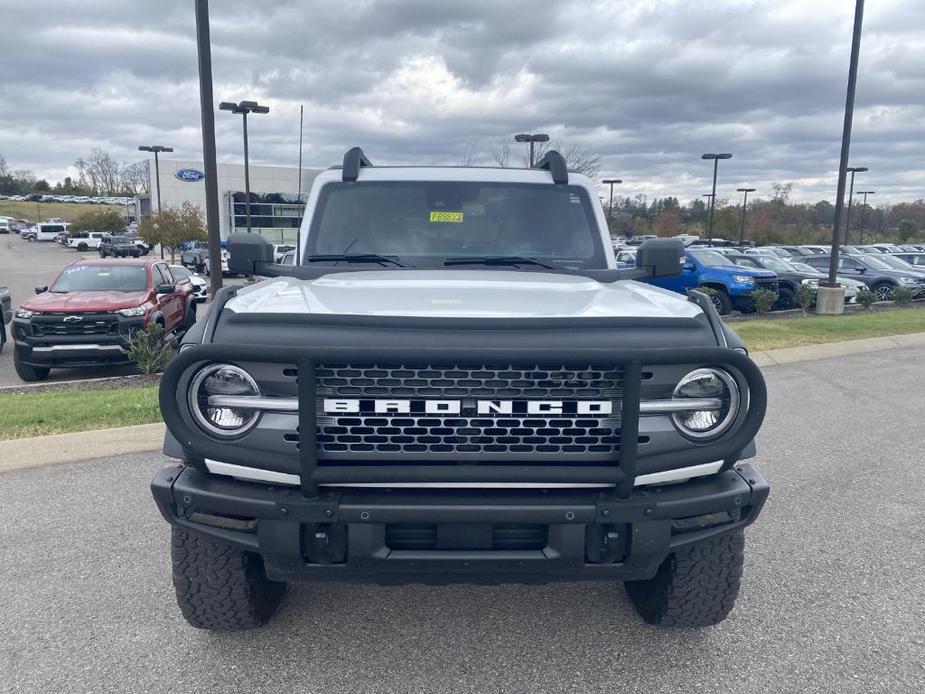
(554, 163)
(353, 160)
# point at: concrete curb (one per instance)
(20, 454)
(39, 451)
(792, 355)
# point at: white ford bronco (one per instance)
(454, 382)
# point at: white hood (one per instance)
(461, 294)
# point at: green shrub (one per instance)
(902, 295)
(806, 297)
(867, 298)
(148, 349)
(763, 300)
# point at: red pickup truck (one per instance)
(90, 312)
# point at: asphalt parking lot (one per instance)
(832, 597)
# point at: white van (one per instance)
(85, 240)
(45, 231)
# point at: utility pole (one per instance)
(853, 170)
(865, 193)
(744, 203)
(830, 298)
(715, 158)
(243, 108)
(611, 182)
(210, 163)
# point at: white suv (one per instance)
(45, 231)
(85, 240)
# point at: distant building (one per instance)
(276, 206)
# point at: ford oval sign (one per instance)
(190, 175)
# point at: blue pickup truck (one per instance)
(733, 285)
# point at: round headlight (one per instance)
(205, 392)
(712, 384)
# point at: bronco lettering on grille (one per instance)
(599, 408)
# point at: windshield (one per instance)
(425, 223)
(808, 269)
(897, 263)
(711, 258)
(876, 263)
(747, 262)
(102, 278)
(776, 264)
(118, 239)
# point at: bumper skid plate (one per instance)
(478, 537)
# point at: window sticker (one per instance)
(574, 199)
(441, 216)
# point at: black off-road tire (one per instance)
(221, 587)
(786, 299)
(721, 301)
(82, 247)
(27, 372)
(696, 586)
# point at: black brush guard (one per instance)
(198, 446)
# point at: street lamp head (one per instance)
(227, 106)
(713, 155)
(707, 195)
(857, 169)
(746, 190)
(867, 192)
(145, 148)
(154, 148)
(538, 137)
(612, 180)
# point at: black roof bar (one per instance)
(554, 163)
(353, 160)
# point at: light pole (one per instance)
(157, 149)
(744, 202)
(834, 302)
(715, 158)
(209, 160)
(245, 107)
(853, 170)
(610, 182)
(865, 193)
(537, 137)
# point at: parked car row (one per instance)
(732, 273)
(80, 199)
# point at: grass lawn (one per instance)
(40, 211)
(57, 412)
(762, 335)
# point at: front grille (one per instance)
(467, 434)
(477, 381)
(502, 537)
(770, 285)
(454, 435)
(89, 324)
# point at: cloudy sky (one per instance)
(649, 84)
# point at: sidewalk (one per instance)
(19, 454)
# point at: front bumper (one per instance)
(91, 350)
(437, 536)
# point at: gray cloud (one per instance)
(648, 84)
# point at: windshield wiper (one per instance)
(355, 258)
(496, 260)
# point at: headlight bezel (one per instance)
(201, 418)
(131, 312)
(746, 280)
(730, 415)
(26, 314)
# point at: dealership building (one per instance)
(276, 203)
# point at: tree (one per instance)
(100, 172)
(470, 154)
(135, 178)
(172, 226)
(99, 220)
(4, 171)
(578, 159)
(667, 223)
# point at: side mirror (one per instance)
(246, 251)
(165, 289)
(688, 266)
(41, 288)
(662, 257)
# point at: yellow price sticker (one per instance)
(438, 216)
